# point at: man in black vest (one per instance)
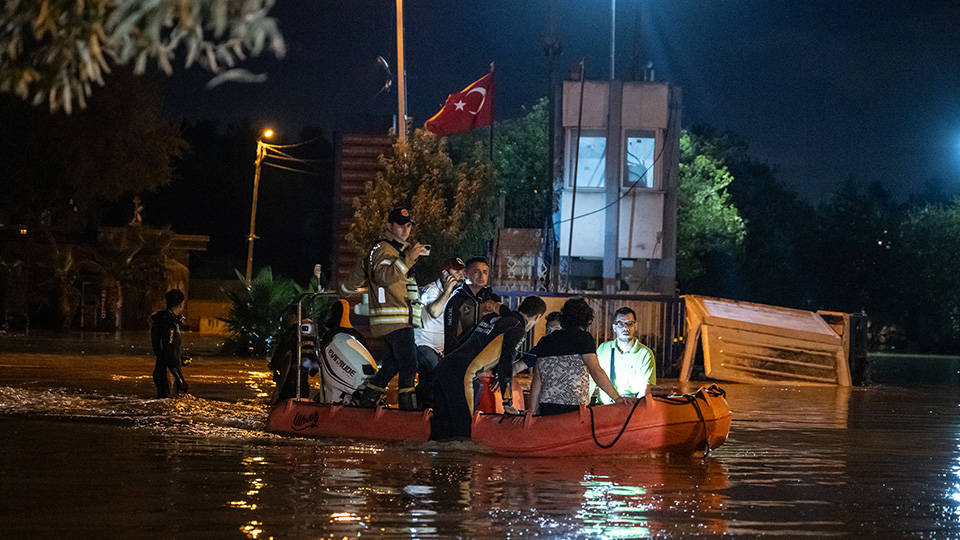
(463, 310)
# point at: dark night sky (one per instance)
(822, 90)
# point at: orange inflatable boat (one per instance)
(306, 418)
(679, 423)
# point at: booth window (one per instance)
(639, 159)
(591, 161)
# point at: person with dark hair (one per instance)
(490, 302)
(394, 309)
(463, 310)
(165, 338)
(495, 342)
(630, 364)
(552, 322)
(566, 364)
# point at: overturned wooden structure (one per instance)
(757, 343)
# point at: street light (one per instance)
(261, 153)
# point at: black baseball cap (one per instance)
(400, 216)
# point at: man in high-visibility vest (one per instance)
(394, 309)
(629, 364)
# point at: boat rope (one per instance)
(692, 398)
(593, 427)
(684, 399)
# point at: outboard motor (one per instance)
(345, 362)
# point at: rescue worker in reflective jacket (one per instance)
(495, 341)
(394, 309)
(165, 338)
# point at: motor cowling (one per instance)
(346, 365)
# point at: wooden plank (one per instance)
(790, 377)
(689, 351)
(761, 318)
(779, 360)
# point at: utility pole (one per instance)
(261, 153)
(253, 210)
(401, 78)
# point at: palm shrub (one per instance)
(255, 311)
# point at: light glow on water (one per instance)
(344, 516)
(956, 487)
(252, 529)
(816, 462)
(613, 510)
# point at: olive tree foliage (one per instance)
(707, 219)
(53, 51)
(453, 204)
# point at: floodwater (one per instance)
(86, 452)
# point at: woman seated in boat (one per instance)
(566, 360)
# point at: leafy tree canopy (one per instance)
(53, 51)
(707, 219)
(452, 204)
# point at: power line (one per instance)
(314, 173)
(624, 194)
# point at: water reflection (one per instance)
(87, 439)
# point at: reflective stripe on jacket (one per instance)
(394, 297)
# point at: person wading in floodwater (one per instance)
(165, 337)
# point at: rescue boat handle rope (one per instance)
(593, 428)
(676, 400)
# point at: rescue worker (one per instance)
(463, 310)
(394, 309)
(166, 340)
(494, 342)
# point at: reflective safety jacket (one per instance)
(394, 296)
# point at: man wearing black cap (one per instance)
(394, 309)
(429, 338)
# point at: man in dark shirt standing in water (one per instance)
(463, 310)
(494, 342)
(165, 337)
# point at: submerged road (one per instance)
(88, 452)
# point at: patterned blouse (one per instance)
(564, 379)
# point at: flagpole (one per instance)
(401, 78)
(493, 110)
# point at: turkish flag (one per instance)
(471, 107)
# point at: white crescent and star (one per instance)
(460, 104)
(483, 99)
